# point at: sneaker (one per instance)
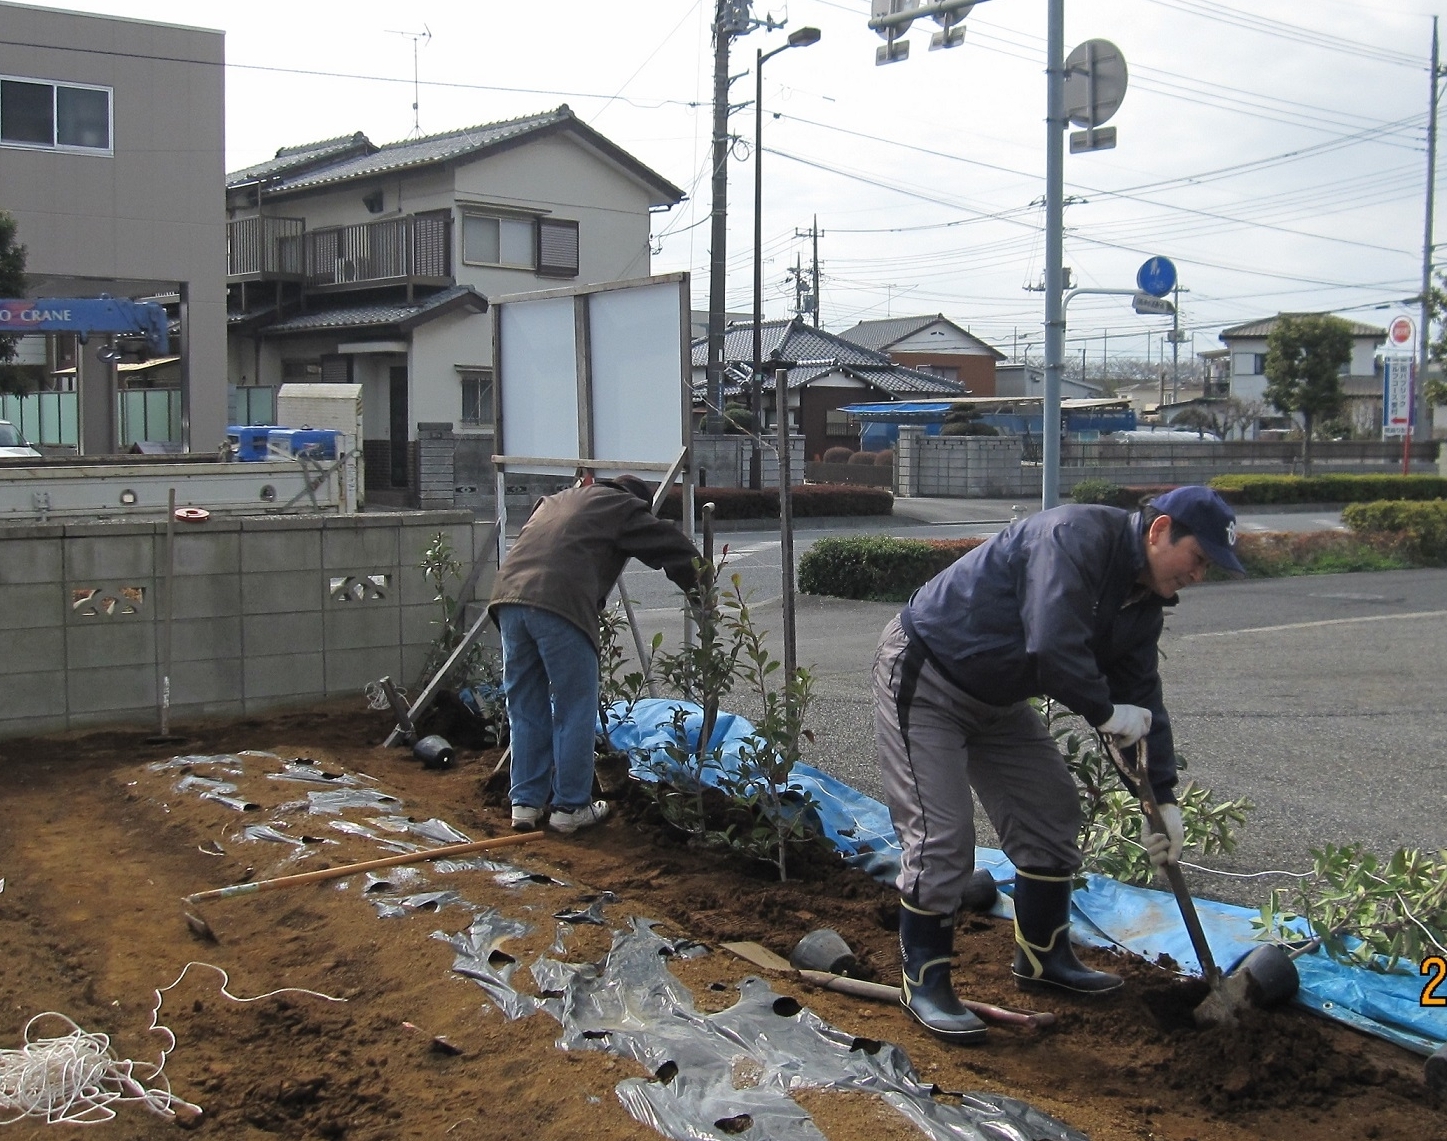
(564, 821)
(525, 818)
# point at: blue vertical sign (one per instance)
(1398, 407)
(1156, 276)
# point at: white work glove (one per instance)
(1127, 724)
(1164, 849)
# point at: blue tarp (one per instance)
(1140, 920)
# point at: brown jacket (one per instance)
(572, 550)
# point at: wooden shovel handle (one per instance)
(365, 866)
(892, 994)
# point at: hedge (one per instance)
(1422, 525)
(1327, 488)
(811, 500)
(876, 567)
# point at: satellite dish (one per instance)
(880, 8)
(1095, 82)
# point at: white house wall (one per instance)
(438, 349)
(940, 338)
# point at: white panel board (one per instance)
(637, 370)
(539, 379)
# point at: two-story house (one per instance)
(111, 150)
(368, 264)
(1361, 379)
(933, 344)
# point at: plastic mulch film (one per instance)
(725, 1074)
(340, 799)
(228, 762)
(397, 907)
(401, 876)
(480, 958)
(312, 773)
(593, 913)
(240, 804)
(270, 834)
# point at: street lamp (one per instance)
(800, 39)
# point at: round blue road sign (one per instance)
(1156, 276)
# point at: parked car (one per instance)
(12, 443)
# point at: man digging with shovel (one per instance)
(1067, 603)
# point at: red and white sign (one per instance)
(1402, 334)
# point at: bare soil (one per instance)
(97, 850)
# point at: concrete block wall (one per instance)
(974, 467)
(436, 445)
(724, 460)
(266, 611)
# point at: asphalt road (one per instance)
(1319, 698)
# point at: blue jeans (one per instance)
(550, 679)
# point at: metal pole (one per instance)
(1054, 253)
(786, 518)
(1419, 399)
(1176, 347)
(756, 383)
(719, 233)
(815, 283)
(170, 613)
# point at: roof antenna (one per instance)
(422, 37)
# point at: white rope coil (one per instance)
(76, 1078)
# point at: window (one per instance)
(497, 241)
(837, 423)
(1248, 364)
(60, 116)
(557, 247)
(476, 397)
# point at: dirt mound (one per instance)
(98, 848)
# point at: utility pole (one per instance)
(1419, 397)
(812, 232)
(731, 18)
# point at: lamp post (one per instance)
(800, 39)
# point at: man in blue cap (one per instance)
(1068, 604)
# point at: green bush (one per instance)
(876, 567)
(1097, 491)
(861, 458)
(837, 455)
(1244, 489)
(811, 500)
(1278, 554)
(884, 458)
(1421, 525)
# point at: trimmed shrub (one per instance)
(876, 567)
(861, 458)
(1422, 526)
(884, 458)
(1097, 491)
(1277, 554)
(1341, 488)
(967, 428)
(738, 418)
(810, 500)
(837, 455)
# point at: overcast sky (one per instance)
(1275, 150)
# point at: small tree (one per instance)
(12, 279)
(1305, 354)
(1199, 420)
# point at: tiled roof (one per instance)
(306, 155)
(450, 145)
(1263, 327)
(879, 334)
(824, 353)
(889, 331)
(381, 314)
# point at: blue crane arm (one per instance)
(86, 315)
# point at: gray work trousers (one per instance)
(934, 742)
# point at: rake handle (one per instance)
(281, 882)
(888, 993)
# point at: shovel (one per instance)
(761, 956)
(1267, 977)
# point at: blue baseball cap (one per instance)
(1210, 520)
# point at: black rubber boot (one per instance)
(1043, 955)
(926, 942)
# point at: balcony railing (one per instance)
(415, 249)
(264, 248)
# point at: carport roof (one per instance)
(382, 315)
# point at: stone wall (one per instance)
(268, 611)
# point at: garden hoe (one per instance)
(1265, 978)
